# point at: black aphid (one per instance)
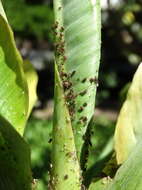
(72, 74)
(85, 104)
(84, 80)
(83, 93)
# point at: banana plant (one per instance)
(128, 143)
(77, 55)
(17, 97)
(77, 31)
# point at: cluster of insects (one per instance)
(83, 119)
(82, 107)
(94, 80)
(60, 43)
(69, 93)
(70, 96)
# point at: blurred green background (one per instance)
(32, 21)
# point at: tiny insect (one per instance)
(63, 74)
(83, 93)
(67, 84)
(62, 50)
(50, 140)
(59, 8)
(62, 29)
(83, 118)
(94, 80)
(72, 74)
(81, 109)
(66, 177)
(65, 58)
(55, 33)
(85, 104)
(83, 80)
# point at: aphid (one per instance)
(85, 104)
(71, 111)
(70, 154)
(50, 140)
(83, 118)
(57, 23)
(63, 74)
(81, 109)
(62, 29)
(55, 26)
(62, 50)
(69, 97)
(55, 33)
(59, 8)
(65, 58)
(83, 93)
(73, 72)
(67, 84)
(61, 36)
(95, 80)
(66, 177)
(83, 80)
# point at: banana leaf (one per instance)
(78, 36)
(129, 175)
(65, 170)
(18, 80)
(15, 106)
(100, 184)
(129, 124)
(15, 166)
(32, 79)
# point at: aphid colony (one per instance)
(61, 59)
(60, 43)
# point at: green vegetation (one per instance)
(28, 19)
(41, 131)
(72, 150)
(16, 89)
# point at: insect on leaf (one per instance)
(77, 30)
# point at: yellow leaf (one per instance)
(129, 125)
(32, 79)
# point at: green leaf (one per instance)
(65, 171)
(13, 86)
(32, 79)
(129, 125)
(100, 184)
(18, 80)
(2, 12)
(129, 175)
(98, 148)
(15, 172)
(78, 30)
